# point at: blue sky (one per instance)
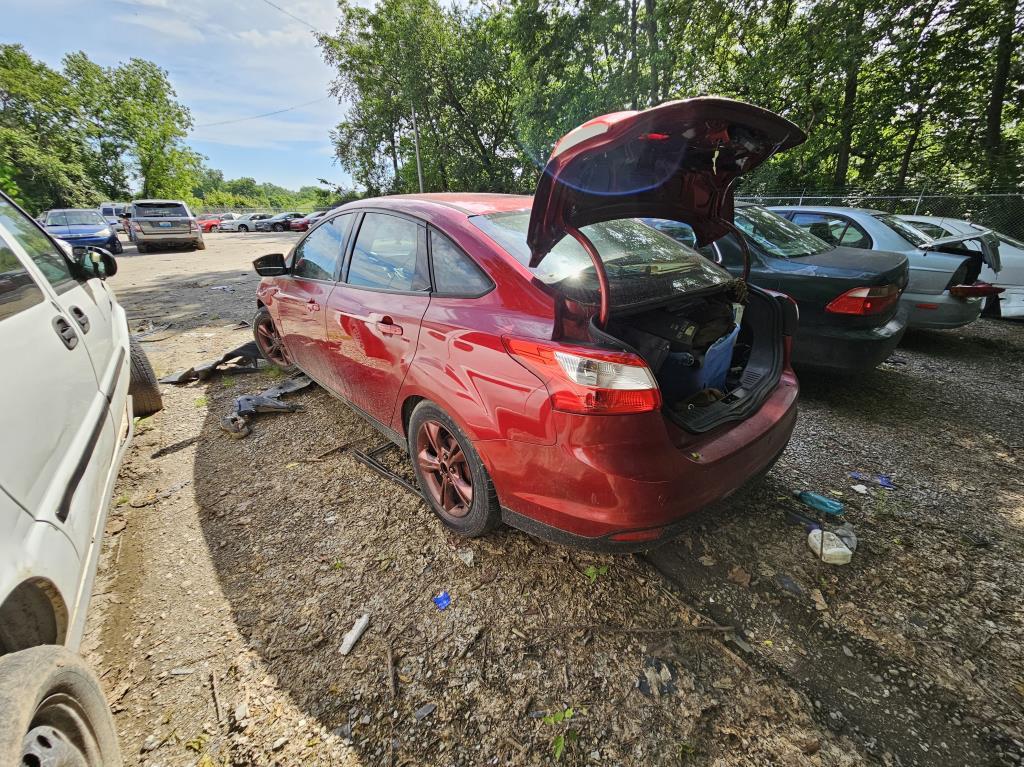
(226, 59)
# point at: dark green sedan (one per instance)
(850, 315)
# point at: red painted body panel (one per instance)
(587, 475)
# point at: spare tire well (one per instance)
(32, 614)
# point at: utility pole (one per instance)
(416, 144)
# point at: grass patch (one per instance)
(201, 402)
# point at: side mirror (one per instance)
(271, 265)
(95, 262)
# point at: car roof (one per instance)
(69, 210)
(157, 202)
(471, 204)
(828, 209)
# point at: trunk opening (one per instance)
(715, 358)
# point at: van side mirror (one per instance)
(95, 262)
(271, 265)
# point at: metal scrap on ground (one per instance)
(236, 423)
(244, 359)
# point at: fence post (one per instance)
(802, 192)
(918, 205)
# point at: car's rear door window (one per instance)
(386, 255)
(39, 247)
(455, 273)
(835, 230)
(317, 256)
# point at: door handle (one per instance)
(312, 306)
(386, 325)
(81, 318)
(66, 333)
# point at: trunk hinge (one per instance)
(602, 276)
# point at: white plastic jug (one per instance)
(829, 547)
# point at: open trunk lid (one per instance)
(677, 161)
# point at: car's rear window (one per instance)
(777, 236)
(161, 210)
(915, 237)
(74, 218)
(642, 264)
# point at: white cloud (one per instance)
(167, 26)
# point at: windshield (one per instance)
(775, 235)
(161, 210)
(642, 264)
(74, 218)
(915, 237)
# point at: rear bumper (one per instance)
(612, 476)
(171, 238)
(940, 311)
(839, 349)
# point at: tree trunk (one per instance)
(847, 113)
(651, 22)
(634, 62)
(997, 93)
(908, 151)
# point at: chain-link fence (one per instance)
(1003, 212)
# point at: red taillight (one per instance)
(193, 226)
(864, 301)
(590, 381)
(975, 290)
(654, 136)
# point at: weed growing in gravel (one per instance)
(593, 573)
(274, 372)
(201, 402)
(562, 739)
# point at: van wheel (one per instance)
(450, 473)
(269, 342)
(55, 712)
(143, 385)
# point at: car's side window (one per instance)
(728, 251)
(385, 254)
(853, 236)
(40, 249)
(18, 291)
(455, 273)
(317, 256)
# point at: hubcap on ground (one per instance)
(270, 343)
(445, 468)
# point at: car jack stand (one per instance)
(370, 459)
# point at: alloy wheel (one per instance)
(270, 342)
(445, 469)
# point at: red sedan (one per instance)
(302, 224)
(550, 362)
(210, 222)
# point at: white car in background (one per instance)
(244, 223)
(1011, 256)
(76, 379)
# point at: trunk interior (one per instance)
(715, 358)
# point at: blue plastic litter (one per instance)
(883, 480)
(820, 503)
(679, 377)
(442, 600)
(886, 482)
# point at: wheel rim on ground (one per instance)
(61, 736)
(445, 469)
(270, 342)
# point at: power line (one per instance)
(292, 15)
(261, 116)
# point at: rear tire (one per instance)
(116, 247)
(141, 248)
(55, 711)
(214, 228)
(201, 245)
(243, 228)
(143, 385)
(278, 228)
(483, 513)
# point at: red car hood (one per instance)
(677, 160)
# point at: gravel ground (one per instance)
(233, 568)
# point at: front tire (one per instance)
(214, 228)
(450, 473)
(54, 711)
(201, 245)
(141, 248)
(143, 385)
(278, 228)
(269, 342)
(243, 228)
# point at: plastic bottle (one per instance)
(828, 547)
(820, 502)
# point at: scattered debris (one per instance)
(279, 744)
(847, 535)
(223, 288)
(828, 547)
(243, 359)
(424, 711)
(739, 576)
(657, 678)
(350, 639)
(442, 600)
(861, 489)
(466, 555)
(819, 600)
(247, 406)
(819, 503)
(882, 480)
